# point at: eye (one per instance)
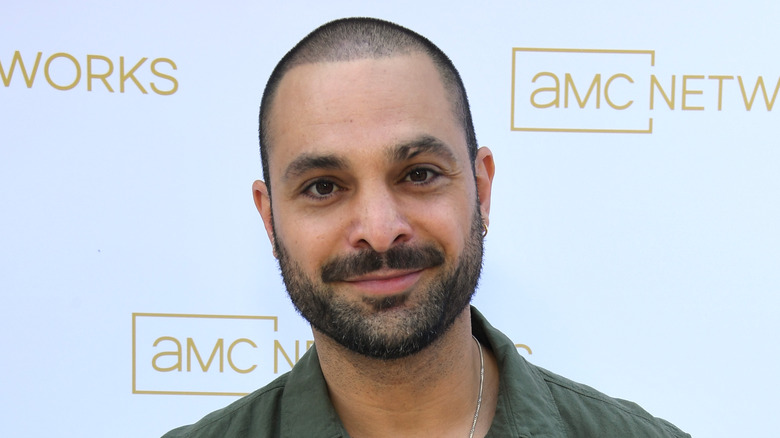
(321, 189)
(421, 175)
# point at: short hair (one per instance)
(349, 39)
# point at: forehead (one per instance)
(362, 103)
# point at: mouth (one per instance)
(385, 282)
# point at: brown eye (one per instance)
(322, 189)
(418, 175)
(421, 176)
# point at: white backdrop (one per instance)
(643, 264)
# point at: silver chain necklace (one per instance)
(481, 383)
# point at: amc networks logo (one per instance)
(618, 91)
(181, 354)
(209, 354)
(63, 71)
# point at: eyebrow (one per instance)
(398, 153)
(420, 145)
(307, 162)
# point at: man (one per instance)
(376, 200)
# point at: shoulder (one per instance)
(544, 403)
(248, 416)
(586, 412)
(295, 404)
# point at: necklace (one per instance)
(481, 383)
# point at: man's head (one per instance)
(379, 193)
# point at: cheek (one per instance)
(448, 223)
(308, 240)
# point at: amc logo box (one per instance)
(209, 354)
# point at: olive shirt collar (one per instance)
(525, 406)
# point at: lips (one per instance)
(385, 282)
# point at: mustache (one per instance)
(368, 260)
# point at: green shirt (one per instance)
(532, 402)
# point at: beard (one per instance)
(385, 328)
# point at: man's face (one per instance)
(375, 217)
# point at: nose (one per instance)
(380, 220)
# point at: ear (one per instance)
(484, 169)
(263, 205)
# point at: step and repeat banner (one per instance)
(634, 242)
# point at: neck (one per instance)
(431, 393)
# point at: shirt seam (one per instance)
(552, 405)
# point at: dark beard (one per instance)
(379, 333)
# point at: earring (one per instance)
(484, 229)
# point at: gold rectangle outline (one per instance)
(649, 130)
(275, 319)
(576, 130)
(234, 394)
